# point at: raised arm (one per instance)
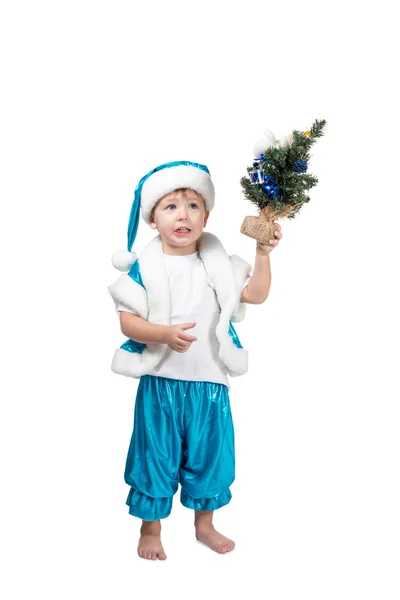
(257, 290)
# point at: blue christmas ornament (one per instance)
(258, 159)
(300, 166)
(257, 176)
(268, 183)
(270, 187)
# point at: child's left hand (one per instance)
(265, 249)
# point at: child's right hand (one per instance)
(177, 339)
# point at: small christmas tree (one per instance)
(278, 181)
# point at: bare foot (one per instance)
(150, 546)
(214, 540)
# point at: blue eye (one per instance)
(194, 204)
(169, 206)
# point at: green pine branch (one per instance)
(278, 163)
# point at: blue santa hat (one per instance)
(152, 187)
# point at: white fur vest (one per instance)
(228, 274)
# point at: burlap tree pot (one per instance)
(262, 228)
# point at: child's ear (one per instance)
(206, 217)
(153, 225)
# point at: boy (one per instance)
(176, 307)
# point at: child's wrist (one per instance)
(263, 249)
(163, 333)
(263, 253)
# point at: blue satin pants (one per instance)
(183, 433)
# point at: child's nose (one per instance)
(183, 213)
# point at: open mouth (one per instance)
(183, 231)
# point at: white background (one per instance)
(95, 94)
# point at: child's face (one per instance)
(179, 210)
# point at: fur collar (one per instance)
(227, 274)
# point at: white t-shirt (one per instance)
(192, 299)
